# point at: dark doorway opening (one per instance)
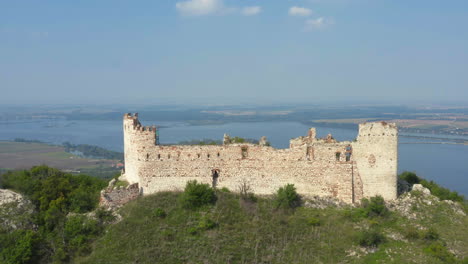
(214, 176)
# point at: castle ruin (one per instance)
(346, 170)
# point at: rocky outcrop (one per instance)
(15, 211)
(412, 204)
(7, 196)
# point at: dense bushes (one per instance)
(58, 199)
(374, 207)
(160, 213)
(55, 192)
(436, 190)
(287, 197)
(371, 238)
(410, 177)
(441, 192)
(19, 246)
(196, 195)
(440, 251)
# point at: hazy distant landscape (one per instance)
(445, 120)
(444, 146)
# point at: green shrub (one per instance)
(193, 230)
(238, 140)
(438, 250)
(314, 221)
(120, 183)
(104, 216)
(160, 213)
(442, 193)
(251, 197)
(287, 197)
(374, 207)
(19, 246)
(354, 214)
(412, 233)
(436, 190)
(225, 189)
(196, 195)
(78, 232)
(431, 234)
(410, 177)
(55, 195)
(206, 224)
(371, 238)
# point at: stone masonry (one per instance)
(346, 170)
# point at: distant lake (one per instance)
(445, 164)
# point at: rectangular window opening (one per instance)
(244, 152)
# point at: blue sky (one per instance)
(227, 51)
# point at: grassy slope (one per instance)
(257, 233)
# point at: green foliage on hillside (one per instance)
(375, 207)
(436, 190)
(196, 195)
(61, 231)
(233, 231)
(203, 225)
(287, 197)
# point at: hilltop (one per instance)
(53, 217)
(416, 228)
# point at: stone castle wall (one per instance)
(322, 167)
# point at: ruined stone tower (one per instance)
(325, 167)
(376, 153)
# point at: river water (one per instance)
(447, 164)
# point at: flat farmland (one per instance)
(21, 155)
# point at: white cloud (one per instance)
(251, 10)
(200, 7)
(318, 23)
(299, 11)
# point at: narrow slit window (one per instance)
(349, 151)
(244, 152)
(348, 156)
(337, 155)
